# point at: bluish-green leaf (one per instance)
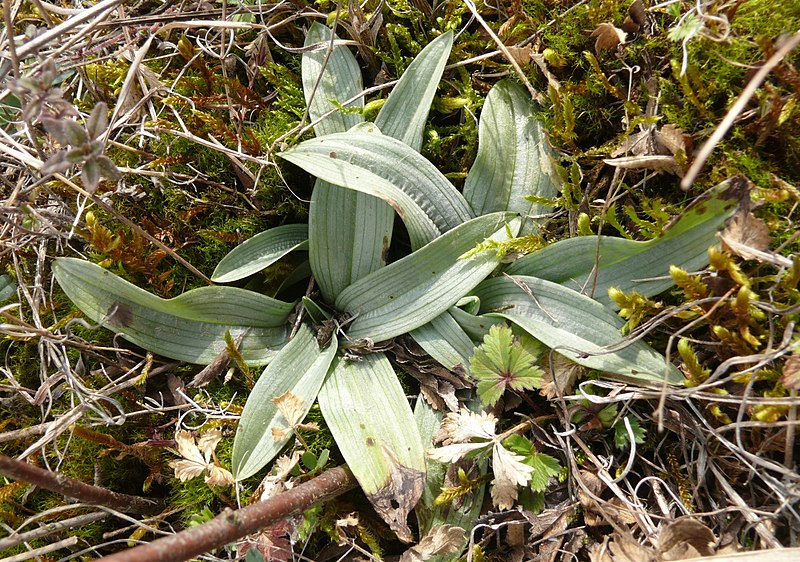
(575, 326)
(404, 114)
(349, 231)
(514, 158)
(260, 251)
(190, 327)
(630, 265)
(368, 414)
(329, 80)
(444, 340)
(300, 368)
(417, 288)
(377, 164)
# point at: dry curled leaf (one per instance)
(275, 482)
(607, 37)
(791, 372)
(198, 458)
(292, 408)
(442, 539)
(465, 432)
(685, 538)
(559, 380)
(746, 236)
(636, 19)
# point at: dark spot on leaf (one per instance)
(119, 315)
(332, 154)
(370, 442)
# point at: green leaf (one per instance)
(367, 412)
(476, 327)
(575, 326)
(417, 288)
(379, 165)
(444, 340)
(349, 231)
(514, 158)
(404, 114)
(300, 368)
(544, 466)
(329, 80)
(501, 363)
(190, 327)
(637, 266)
(349, 236)
(622, 438)
(260, 251)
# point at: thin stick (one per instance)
(48, 529)
(231, 525)
(736, 109)
(75, 488)
(36, 552)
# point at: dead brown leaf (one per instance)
(791, 372)
(607, 37)
(636, 19)
(560, 380)
(443, 539)
(620, 548)
(746, 232)
(394, 501)
(685, 538)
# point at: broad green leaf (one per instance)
(385, 167)
(476, 327)
(417, 288)
(630, 265)
(349, 236)
(300, 368)
(444, 340)
(575, 326)
(367, 412)
(349, 232)
(404, 114)
(260, 251)
(190, 327)
(329, 80)
(514, 158)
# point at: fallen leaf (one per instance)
(744, 233)
(292, 408)
(394, 501)
(440, 540)
(509, 473)
(198, 458)
(791, 372)
(685, 538)
(636, 19)
(559, 380)
(607, 37)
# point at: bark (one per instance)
(72, 488)
(231, 525)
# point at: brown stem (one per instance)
(231, 525)
(76, 489)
